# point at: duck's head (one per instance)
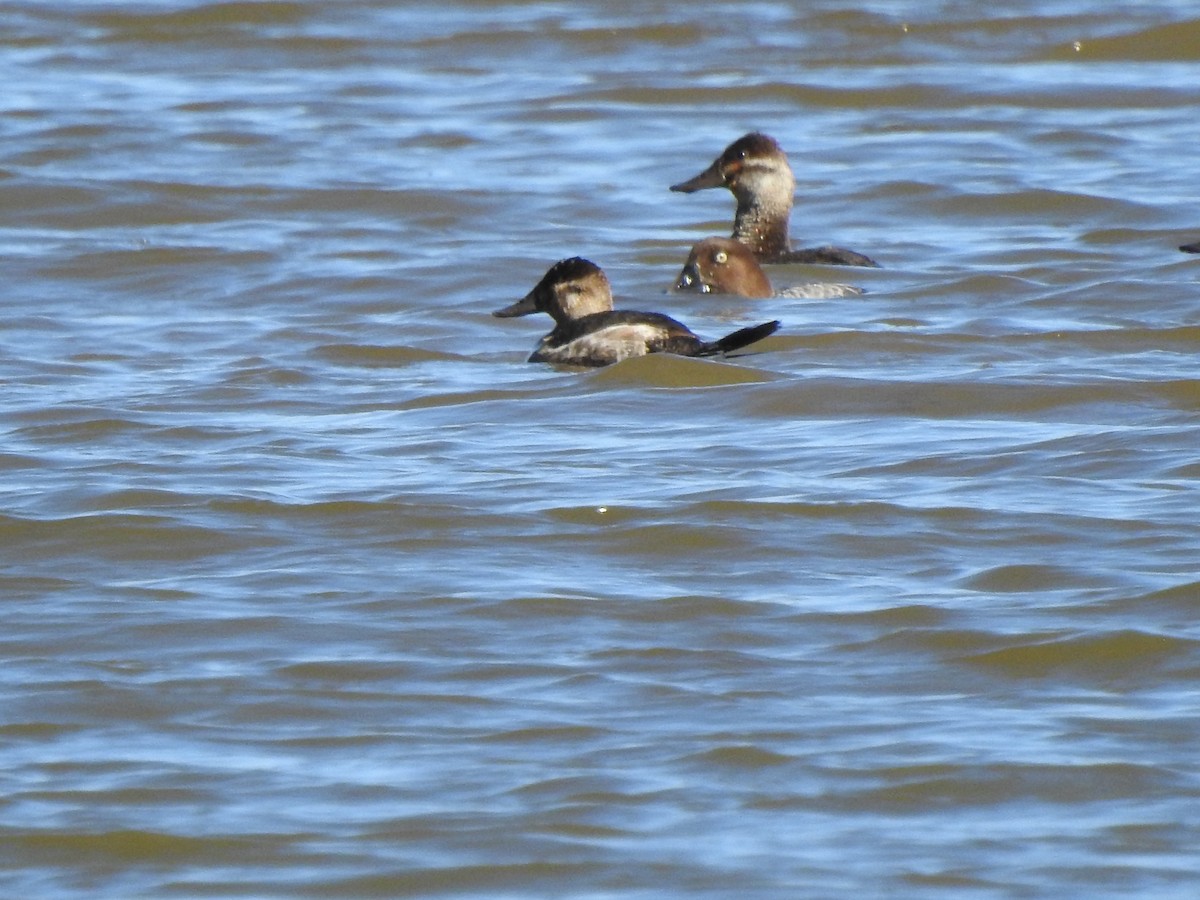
(753, 166)
(570, 289)
(723, 266)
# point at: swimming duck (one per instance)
(756, 171)
(726, 266)
(589, 332)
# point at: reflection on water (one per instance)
(315, 588)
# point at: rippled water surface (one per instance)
(313, 587)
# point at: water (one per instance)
(312, 587)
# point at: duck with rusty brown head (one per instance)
(726, 266)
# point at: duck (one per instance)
(755, 170)
(726, 266)
(587, 330)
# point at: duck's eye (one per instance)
(721, 258)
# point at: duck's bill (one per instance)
(523, 307)
(689, 280)
(710, 178)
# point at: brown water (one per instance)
(312, 587)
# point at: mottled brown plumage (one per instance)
(589, 332)
(756, 171)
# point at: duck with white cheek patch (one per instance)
(589, 332)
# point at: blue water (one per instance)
(314, 587)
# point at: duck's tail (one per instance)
(743, 337)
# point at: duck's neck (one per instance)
(762, 224)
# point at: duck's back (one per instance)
(824, 256)
(608, 337)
